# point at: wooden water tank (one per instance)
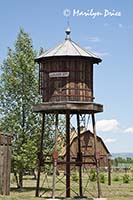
(66, 73)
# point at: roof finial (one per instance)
(68, 31)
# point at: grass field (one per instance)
(117, 191)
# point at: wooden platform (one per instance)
(72, 107)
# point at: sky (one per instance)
(104, 27)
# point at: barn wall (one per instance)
(87, 148)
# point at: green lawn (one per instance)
(117, 191)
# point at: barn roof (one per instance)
(74, 136)
(69, 48)
(99, 138)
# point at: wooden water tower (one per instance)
(66, 86)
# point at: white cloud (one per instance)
(88, 48)
(106, 24)
(127, 27)
(94, 39)
(110, 140)
(121, 26)
(128, 130)
(102, 54)
(107, 125)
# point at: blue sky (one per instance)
(111, 37)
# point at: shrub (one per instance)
(13, 180)
(92, 175)
(102, 178)
(126, 178)
(116, 178)
(74, 176)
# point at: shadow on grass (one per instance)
(44, 194)
(28, 189)
(43, 191)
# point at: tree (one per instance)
(18, 93)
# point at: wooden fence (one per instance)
(5, 163)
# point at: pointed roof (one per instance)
(69, 48)
(74, 136)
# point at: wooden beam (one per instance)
(95, 153)
(67, 154)
(40, 153)
(80, 158)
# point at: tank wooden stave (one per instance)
(66, 79)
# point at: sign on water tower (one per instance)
(58, 74)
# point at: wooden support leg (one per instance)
(95, 154)
(40, 154)
(67, 154)
(80, 158)
(109, 171)
(55, 161)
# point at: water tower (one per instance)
(66, 86)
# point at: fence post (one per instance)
(5, 163)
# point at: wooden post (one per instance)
(67, 154)
(40, 154)
(55, 159)
(0, 168)
(5, 168)
(80, 158)
(5, 164)
(8, 165)
(95, 154)
(109, 171)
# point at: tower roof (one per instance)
(69, 48)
